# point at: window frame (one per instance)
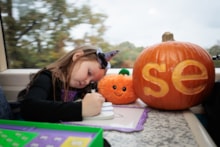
(3, 60)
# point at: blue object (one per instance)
(5, 109)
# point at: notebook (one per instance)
(126, 118)
(106, 113)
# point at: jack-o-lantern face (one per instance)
(173, 75)
(117, 89)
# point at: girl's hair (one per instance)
(61, 68)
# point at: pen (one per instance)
(93, 87)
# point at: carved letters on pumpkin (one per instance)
(177, 78)
(164, 87)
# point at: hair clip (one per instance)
(104, 58)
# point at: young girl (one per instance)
(59, 92)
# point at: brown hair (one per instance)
(61, 68)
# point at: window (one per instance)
(39, 32)
(36, 32)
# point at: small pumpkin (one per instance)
(117, 88)
(173, 75)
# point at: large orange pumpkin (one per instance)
(173, 75)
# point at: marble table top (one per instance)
(161, 129)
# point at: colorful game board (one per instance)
(35, 136)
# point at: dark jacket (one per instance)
(212, 113)
(38, 102)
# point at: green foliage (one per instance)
(217, 63)
(41, 30)
(215, 51)
(127, 55)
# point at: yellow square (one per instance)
(76, 142)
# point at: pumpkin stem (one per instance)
(124, 71)
(167, 36)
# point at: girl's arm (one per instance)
(39, 104)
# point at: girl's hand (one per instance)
(92, 104)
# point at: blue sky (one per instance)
(143, 22)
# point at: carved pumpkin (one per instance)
(173, 75)
(117, 88)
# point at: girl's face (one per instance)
(85, 72)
